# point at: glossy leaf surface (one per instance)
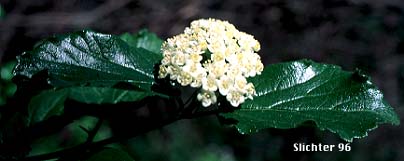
(89, 58)
(86, 66)
(291, 93)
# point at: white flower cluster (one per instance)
(214, 55)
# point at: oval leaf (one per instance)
(89, 58)
(291, 93)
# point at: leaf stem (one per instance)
(93, 132)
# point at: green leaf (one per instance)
(91, 59)
(144, 39)
(51, 102)
(6, 70)
(111, 155)
(7, 87)
(291, 93)
(46, 104)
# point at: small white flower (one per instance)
(256, 45)
(240, 84)
(197, 82)
(207, 98)
(217, 69)
(173, 71)
(178, 59)
(235, 98)
(209, 83)
(184, 79)
(225, 84)
(217, 57)
(216, 46)
(259, 67)
(195, 57)
(233, 72)
(250, 90)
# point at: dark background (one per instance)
(353, 34)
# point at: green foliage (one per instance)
(183, 141)
(291, 93)
(143, 39)
(110, 155)
(45, 105)
(6, 71)
(50, 102)
(87, 65)
(100, 95)
(7, 88)
(95, 68)
(72, 135)
(89, 58)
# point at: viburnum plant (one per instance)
(210, 69)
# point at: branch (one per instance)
(93, 132)
(143, 126)
(82, 148)
(17, 144)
